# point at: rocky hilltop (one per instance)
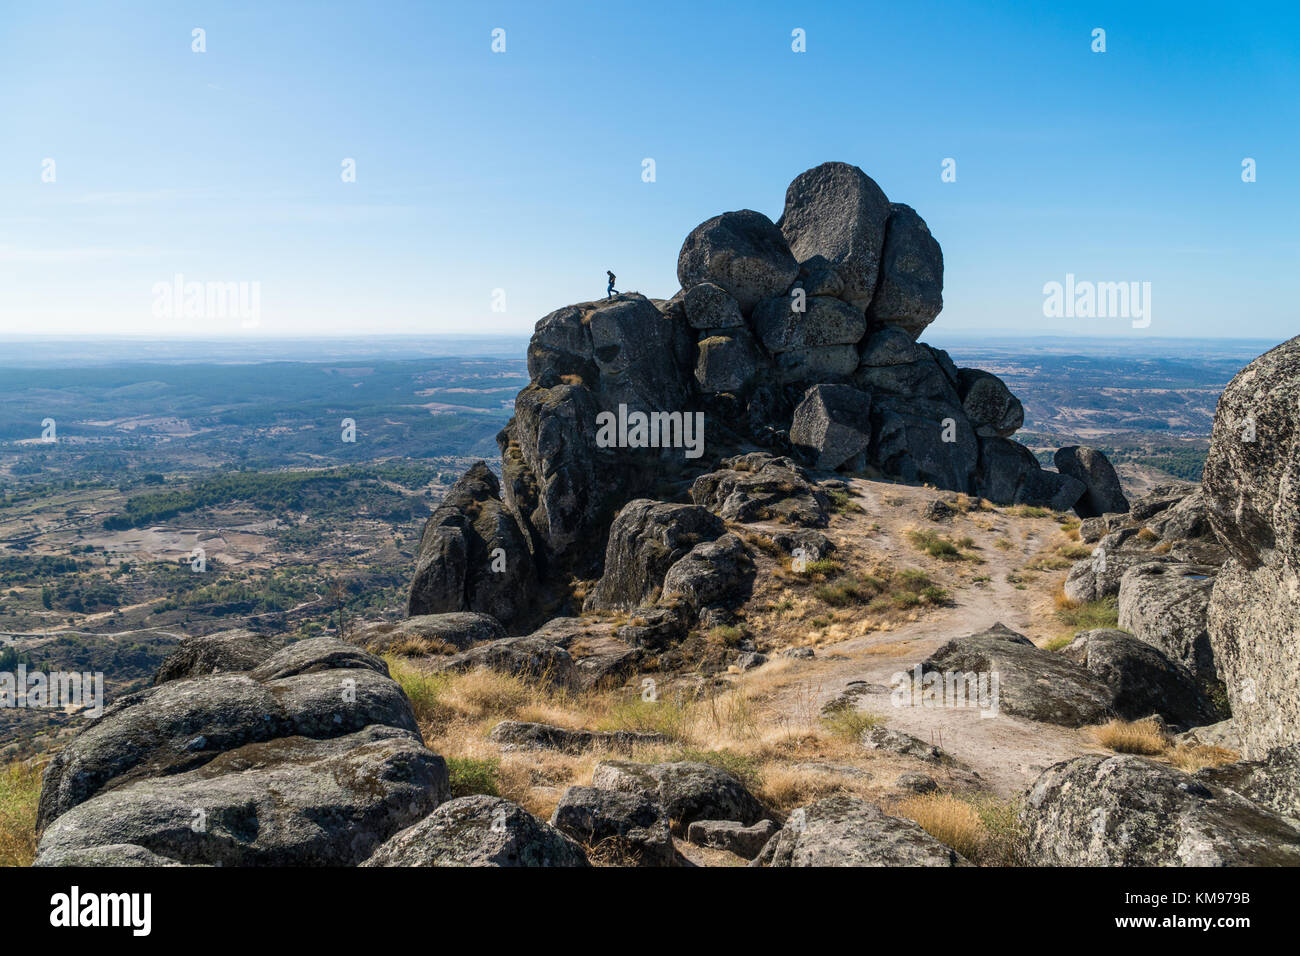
(798, 338)
(739, 535)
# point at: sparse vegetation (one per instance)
(1145, 737)
(985, 832)
(20, 788)
(1087, 615)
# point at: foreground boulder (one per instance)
(687, 791)
(316, 689)
(527, 735)
(731, 836)
(531, 658)
(479, 831)
(628, 826)
(1126, 811)
(847, 831)
(312, 757)
(237, 650)
(429, 633)
(291, 801)
(1142, 679)
(1252, 492)
(1034, 684)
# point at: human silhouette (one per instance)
(611, 291)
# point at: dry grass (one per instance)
(1145, 737)
(1193, 757)
(984, 831)
(20, 787)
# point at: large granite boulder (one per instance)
(832, 425)
(909, 293)
(1164, 604)
(457, 630)
(237, 650)
(531, 658)
(728, 360)
(818, 363)
(1251, 484)
(1142, 679)
(848, 831)
(989, 404)
(479, 831)
(473, 554)
(762, 487)
(712, 574)
(291, 801)
(312, 757)
(645, 540)
(1103, 494)
(686, 791)
(624, 349)
(1009, 474)
(709, 306)
(837, 212)
(1273, 781)
(1098, 576)
(743, 253)
(1033, 684)
(1123, 810)
(823, 321)
(922, 441)
(632, 827)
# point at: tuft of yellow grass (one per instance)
(1193, 757)
(949, 819)
(1144, 737)
(983, 830)
(20, 788)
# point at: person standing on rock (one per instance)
(611, 291)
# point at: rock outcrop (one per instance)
(1142, 679)
(1104, 494)
(1032, 683)
(686, 791)
(1252, 492)
(796, 338)
(479, 831)
(1126, 811)
(312, 757)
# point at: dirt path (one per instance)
(1007, 752)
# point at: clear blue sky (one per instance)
(522, 171)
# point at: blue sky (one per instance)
(521, 171)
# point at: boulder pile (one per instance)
(798, 339)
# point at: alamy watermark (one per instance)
(638, 429)
(208, 300)
(58, 690)
(946, 689)
(1075, 299)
